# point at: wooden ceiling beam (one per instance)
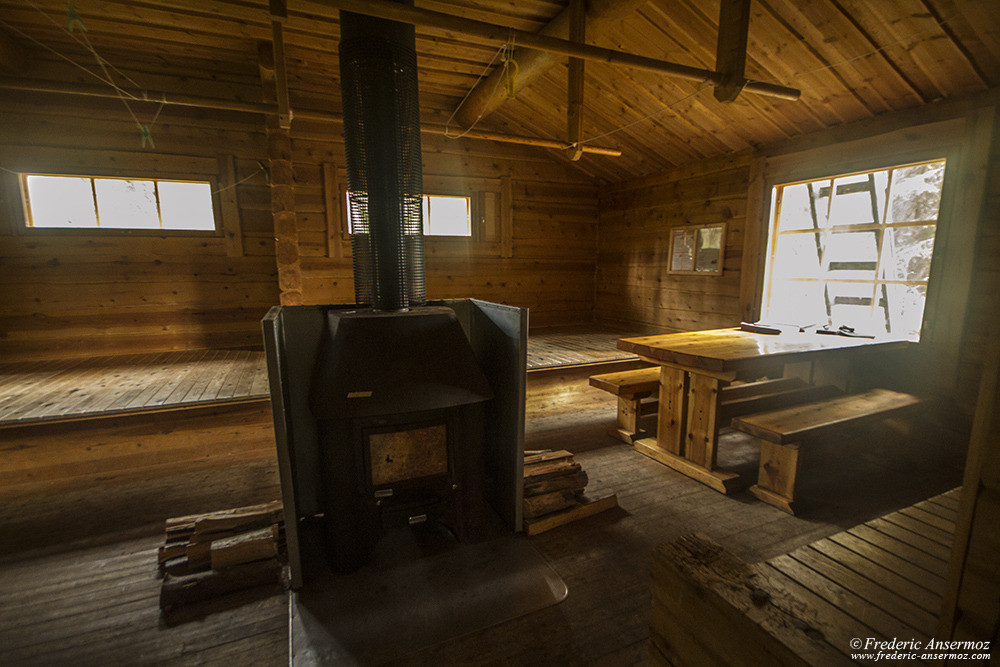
(731, 50)
(487, 95)
(267, 75)
(574, 107)
(502, 34)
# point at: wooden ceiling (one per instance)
(852, 59)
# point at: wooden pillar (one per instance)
(282, 180)
(574, 108)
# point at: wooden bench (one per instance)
(781, 434)
(631, 387)
(638, 389)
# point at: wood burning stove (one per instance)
(393, 411)
(385, 419)
(398, 399)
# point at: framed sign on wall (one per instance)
(697, 250)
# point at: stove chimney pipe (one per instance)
(378, 83)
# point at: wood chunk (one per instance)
(244, 548)
(542, 457)
(188, 522)
(584, 507)
(205, 585)
(573, 482)
(238, 521)
(550, 469)
(536, 506)
(171, 550)
(177, 566)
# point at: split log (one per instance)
(206, 585)
(576, 482)
(244, 548)
(585, 506)
(536, 506)
(549, 470)
(547, 455)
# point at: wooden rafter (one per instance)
(501, 34)
(487, 95)
(268, 75)
(731, 51)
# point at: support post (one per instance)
(574, 108)
(282, 182)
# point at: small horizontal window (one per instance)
(442, 215)
(93, 202)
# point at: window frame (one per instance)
(112, 164)
(28, 222)
(490, 224)
(773, 234)
(963, 137)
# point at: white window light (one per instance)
(854, 250)
(94, 202)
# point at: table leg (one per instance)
(703, 420)
(671, 420)
(688, 428)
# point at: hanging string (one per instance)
(73, 18)
(75, 22)
(447, 126)
(261, 169)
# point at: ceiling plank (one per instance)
(488, 95)
(12, 60)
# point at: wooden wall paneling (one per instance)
(230, 207)
(970, 608)
(754, 242)
(110, 292)
(506, 216)
(336, 226)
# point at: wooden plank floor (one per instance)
(569, 346)
(32, 392)
(63, 389)
(884, 578)
(93, 602)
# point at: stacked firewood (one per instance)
(208, 555)
(554, 491)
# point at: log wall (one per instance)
(545, 244)
(634, 287)
(74, 293)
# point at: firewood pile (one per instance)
(555, 491)
(209, 555)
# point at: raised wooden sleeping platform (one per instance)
(882, 580)
(67, 422)
(72, 421)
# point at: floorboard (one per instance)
(78, 577)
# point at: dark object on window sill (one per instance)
(843, 331)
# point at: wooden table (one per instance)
(694, 368)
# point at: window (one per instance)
(443, 215)
(93, 202)
(854, 250)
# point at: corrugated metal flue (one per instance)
(378, 70)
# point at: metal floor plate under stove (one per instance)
(424, 590)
